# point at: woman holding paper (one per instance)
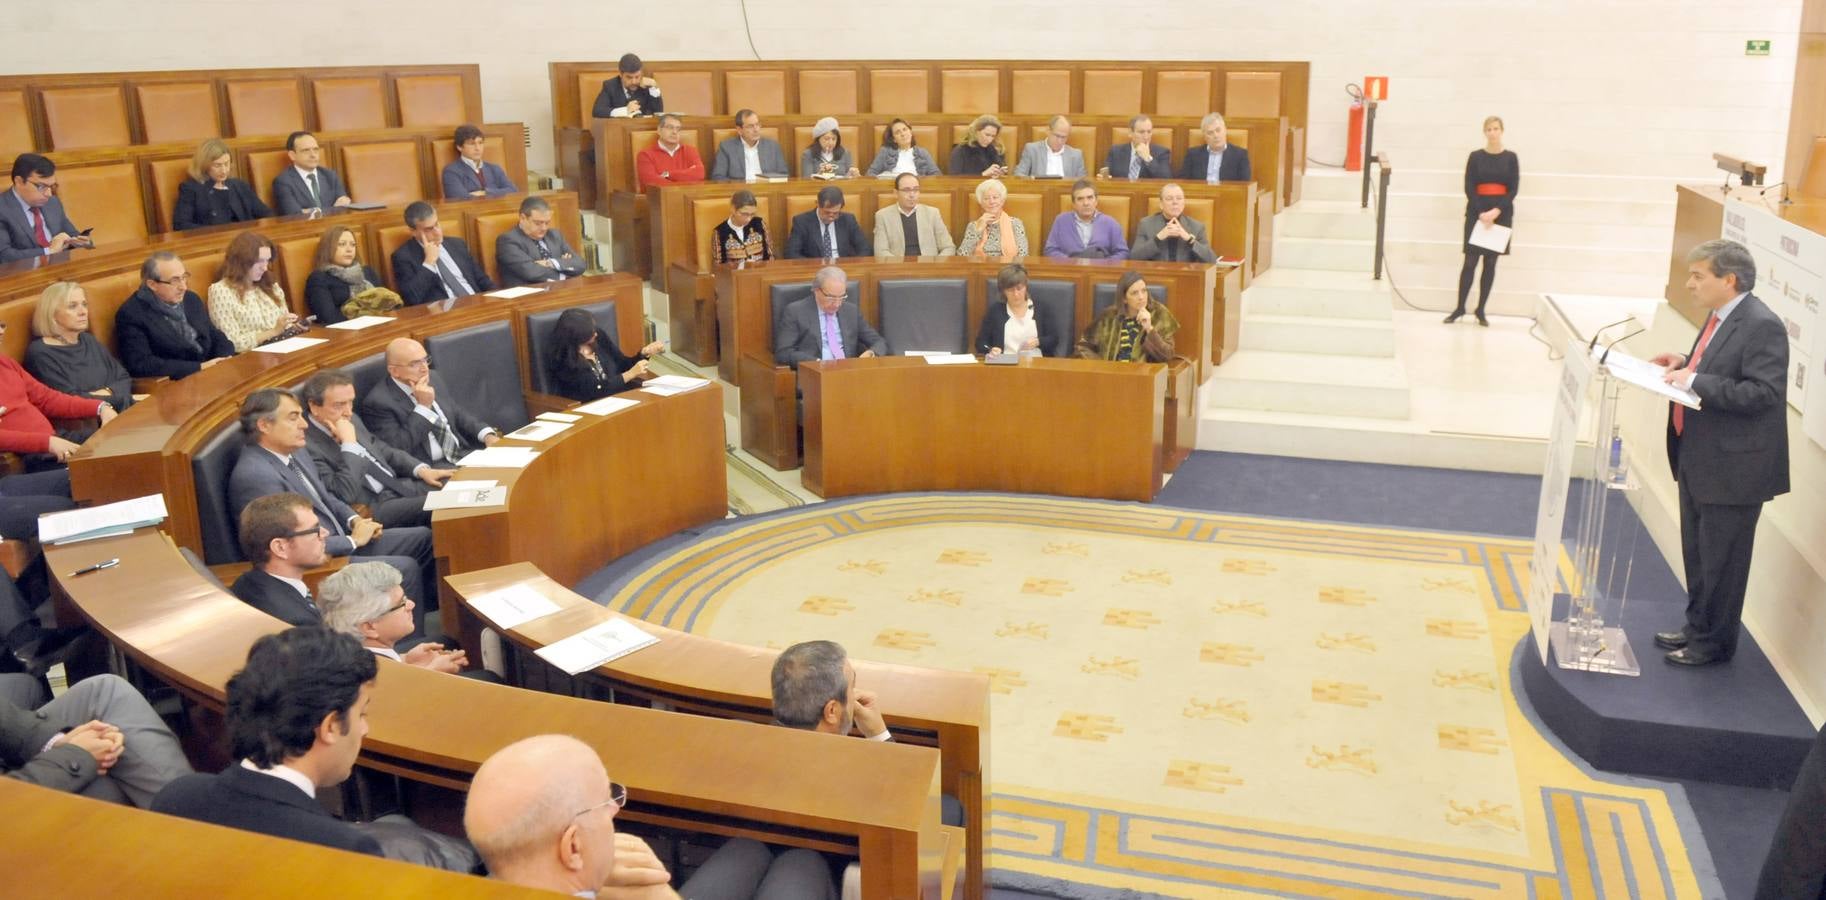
(585, 364)
(1492, 175)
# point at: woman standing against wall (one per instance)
(1492, 175)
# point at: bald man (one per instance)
(413, 409)
(542, 813)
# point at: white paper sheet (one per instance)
(476, 485)
(512, 607)
(78, 524)
(500, 457)
(667, 385)
(1494, 238)
(606, 405)
(515, 292)
(951, 359)
(558, 417)
(360, 322)
(593, 646)
(1643, 374)
(539, 431)
(290, 344)
(466, 498)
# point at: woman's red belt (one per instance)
(1492, 189)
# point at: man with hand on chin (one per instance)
(412, 409)
(431, 266)
(363, 471)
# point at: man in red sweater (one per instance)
(27, 408)
(668, 161)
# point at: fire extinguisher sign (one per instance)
(1375, 87)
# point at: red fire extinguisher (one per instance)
(1353, 139)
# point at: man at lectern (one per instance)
(1730, 455)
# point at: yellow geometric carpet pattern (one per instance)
(1196, 705)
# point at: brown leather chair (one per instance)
(426, 100)
(1812, 183)
(205, 269)
(1118, 207)
(795, 205)
(719, 135)
(831, 92)
(1182, 93)
(853, 141)
(264, 107)
(184, 111)
(1202, 210)
(260, 167)
(85, 117)
(706, 214)
(349, 104)
(905, 91)
(387, 239)
(295, 258)
(970, 92)
(488, 228)
(106, 294)
(1252, 94)
(1040, 91)
(15, 125)
(389, 172)
(1028, 208)
(1084, 137)
(589, 85)
(443, 152)
(165, 175)
(1112, 92)
(763, 91)
(106, 198)
(688, 92)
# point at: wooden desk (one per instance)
(167, 857)
(1074, 427)
(690, 772)
(704, 676)
(1699, 216)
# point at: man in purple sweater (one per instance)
(1085, 232)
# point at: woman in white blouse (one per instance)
(1012, 326)
(900, 153)
(246, 301)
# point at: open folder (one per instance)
(1643, 374)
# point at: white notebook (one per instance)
(596, 645)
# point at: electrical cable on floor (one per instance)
(749, 30)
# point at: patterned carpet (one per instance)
(1193, 705)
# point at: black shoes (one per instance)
(1687, 656)
(1670, 640)
(50, 648)
(1454, 316)
(1481, 320)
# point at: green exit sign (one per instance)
(1756, 48)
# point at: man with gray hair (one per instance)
(823, 326)
(1170, 235)
(542, 813)
(1218, 160)
(163, 330)
(365, 600)
(1729, 456)
(430, 266)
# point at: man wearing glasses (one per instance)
(823, 326)
(1053, 157)
(281, 536)
(918, 230)
(164, 330)
(32, 215)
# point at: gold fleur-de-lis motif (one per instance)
(826, 606)
(1229, 654)
(1342, 596)
(1002, 681)
(1035, 630)
(1348, 641)
(1469, 739)
(1483, 813)
(901, 639)
(1066, 548)
(1343, 693)
(1200, 776)
(1086, 727)
(943, 596)
(869, 566)
(1130, 618)
(1050, 587)
(1115, 665)
(1345, 757)
(1457, 585)
(1245, 607)
(962, 558)
(1232, 710)
(1247, 566)
(1455, 628)
(1464, 678)
(1147, 576)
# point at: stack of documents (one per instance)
(106, 520)
(511, 607)
(596, 645)
(466, 495)
(501, 457)
(667, 385)
(539, 430)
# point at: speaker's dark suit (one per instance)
(418, 284)
(263, 804)
(613, 97)
(153, 346)
(1731, 457)
(400, 497)
(292, 196)
(806, 241)
(1161, 166)
(275, 598)
(391, 412)
(21, 235)
(801, 334)
(197, 206)
(1233, 167)
(1796, 864)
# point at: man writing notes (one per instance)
(1730, 455)
(1053, 157)
(826, 232)
(306, 186)
(917, 230)
(823, 326)
(629, 93)
(746, 155)
(1140, 157)
(1170, 235)
(1218, 160)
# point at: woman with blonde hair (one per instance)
(980, 153)
(66, 356)
(1492, 176)
(246, 301)
(995, 233)
(210, 196)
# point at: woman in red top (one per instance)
(26, 410)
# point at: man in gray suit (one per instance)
(823, 326)
(100, 739)
(535, 251)
(1053, 157)
(748, 156)
(32, 217)
(911, 228)
(357, 467)
(306, 186)
(1170, 235)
